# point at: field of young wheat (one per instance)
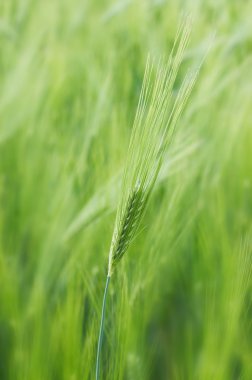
(125, 160)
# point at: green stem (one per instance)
(97, 371)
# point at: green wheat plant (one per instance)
(156, 117)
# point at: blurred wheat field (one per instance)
(180, 305)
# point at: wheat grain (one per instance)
(129, 224)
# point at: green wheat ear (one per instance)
(156, 117)
(130, 221)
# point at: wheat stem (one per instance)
(97, 371)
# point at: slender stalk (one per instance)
(97, 371)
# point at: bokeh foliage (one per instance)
(180, 305)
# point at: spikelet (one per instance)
(156, 117)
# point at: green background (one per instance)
(179, 305)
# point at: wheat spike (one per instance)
(156, 117)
